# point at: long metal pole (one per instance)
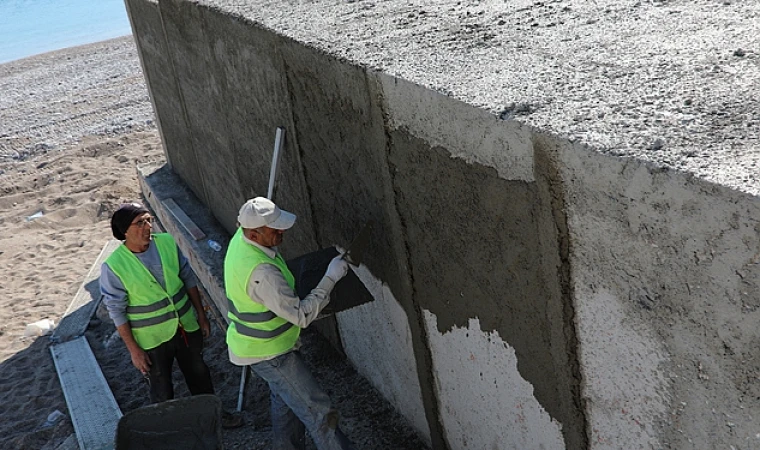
(279, 141)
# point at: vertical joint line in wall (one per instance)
(299, 150)
(558, 208)
(437, 435)
(185, 116)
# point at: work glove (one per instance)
(337, 269)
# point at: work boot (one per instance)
(230, 420)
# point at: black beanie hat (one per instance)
(123, 217)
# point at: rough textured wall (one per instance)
(664, 271)
(202, 94)
(471, 211)
(164, 92)
(560, 288)
(342, 146)
(234, 96)
(473, 254)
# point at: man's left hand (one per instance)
(205, 326)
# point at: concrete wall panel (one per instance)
(381, 328)
(665, 276)
(473, 247)
(628, 396)
(495, 407)
(471, 134)
(255, 101)
(145, 17)
(343, 149)
(201, 89)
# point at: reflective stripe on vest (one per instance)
(140, 323)
(158, 305)
(254, 331)
(250, 317)
(262, 334)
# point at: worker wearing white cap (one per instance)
(266, 317)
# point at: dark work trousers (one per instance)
(190, 360)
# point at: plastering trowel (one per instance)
(355, 250)
(349, 292)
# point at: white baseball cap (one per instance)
(260, 212)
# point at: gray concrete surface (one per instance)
(671, 82)
(543, 276)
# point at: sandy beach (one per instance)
(73, 125)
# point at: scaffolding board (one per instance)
(92, 407)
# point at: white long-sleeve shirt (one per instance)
(268, 287)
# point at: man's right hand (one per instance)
(337, 269)
(141, 360)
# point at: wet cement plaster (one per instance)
(475, 253)
(342, 145)
(557, 246)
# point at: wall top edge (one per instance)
(673, 83)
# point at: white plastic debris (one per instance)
(39, 328)
(214, 245)
(53, 418)
(36, 215)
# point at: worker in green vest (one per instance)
(266, 317)
(151, 294)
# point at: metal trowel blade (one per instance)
(356, 250)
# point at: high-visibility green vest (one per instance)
(154, 313)
(254, 331)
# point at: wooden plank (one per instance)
(182, 218)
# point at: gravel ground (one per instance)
(366, 418)
(51, 101)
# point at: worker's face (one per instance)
(139, 230)
(268, 237)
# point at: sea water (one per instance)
(30, 27)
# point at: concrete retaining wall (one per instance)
(530, 292)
